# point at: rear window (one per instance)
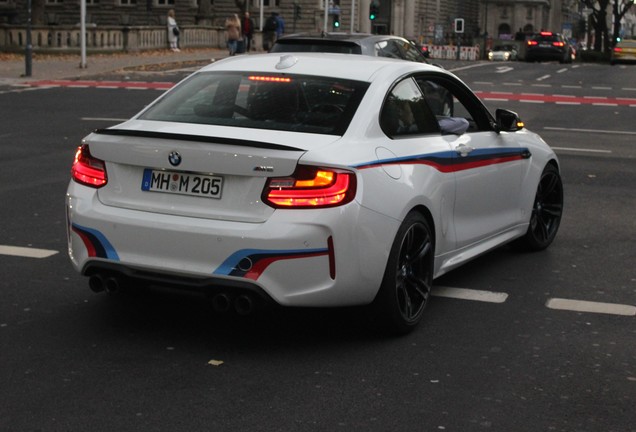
(316, 45)
(264, 101)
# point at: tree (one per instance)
(598, 21)
(619, 11)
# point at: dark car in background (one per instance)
(546, 46)
(351, 43)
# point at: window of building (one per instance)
(165, 2)
(127, 2)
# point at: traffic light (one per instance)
(373, 10)
(336, 21)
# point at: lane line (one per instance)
(592, 307)
(26, 252)
(469, 294)
(103, 119)
(589, 130)
(581, 150)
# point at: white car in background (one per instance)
(317, 180)
(502, 53)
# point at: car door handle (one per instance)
(463, 150)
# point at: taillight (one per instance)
(532, 42)
(558, 44)
(311, 187)
(618, 49)
(88, 170)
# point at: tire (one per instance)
(546, 211)
(408, 278)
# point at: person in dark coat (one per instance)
(248, 31)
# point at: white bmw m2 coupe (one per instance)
(318, 180)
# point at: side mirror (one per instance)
(508, 121)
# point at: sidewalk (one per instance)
(57, 67)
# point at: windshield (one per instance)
(265, 101)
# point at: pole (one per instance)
(353, 15)
(83, 33)
(261, 15)
(28, 52)
(326, 15)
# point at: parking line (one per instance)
(26, 252)
(469, 294)
(592, 307)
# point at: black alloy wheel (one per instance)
(546, 211)
(408, 278)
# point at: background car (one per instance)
(423, 48)
(624, 51)
(308, 180)
(351, 43)
(547, 46)
(502, 53)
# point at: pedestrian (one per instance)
(173, 31)
(248, 31)
(233, 32)
(269, 31)
(280, 28)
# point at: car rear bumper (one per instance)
(326, 257)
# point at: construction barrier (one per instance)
(449, 52)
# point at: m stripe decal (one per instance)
(450, 161)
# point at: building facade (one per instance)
(427, 21)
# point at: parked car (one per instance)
(624, 51)
(547, 46)
(502, 53)
(351, 43)
(308, 180)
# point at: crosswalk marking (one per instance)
(26, 252)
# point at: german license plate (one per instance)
(182, 183)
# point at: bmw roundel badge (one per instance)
(174, 158)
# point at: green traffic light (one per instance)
(372, 16)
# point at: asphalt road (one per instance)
(522, 360)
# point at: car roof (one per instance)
(344, 66)
(338, 36)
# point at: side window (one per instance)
(405, 112)
(411, 53)
(388, 48)
(457, 110)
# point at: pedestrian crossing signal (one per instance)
(459, 25)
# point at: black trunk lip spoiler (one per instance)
(196, 138)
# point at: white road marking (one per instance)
(469, 294)
(544, 77)
(581, 150)
(590, 130)
(102, 119)
(562, 70)
(592, 307)
(26, 252)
